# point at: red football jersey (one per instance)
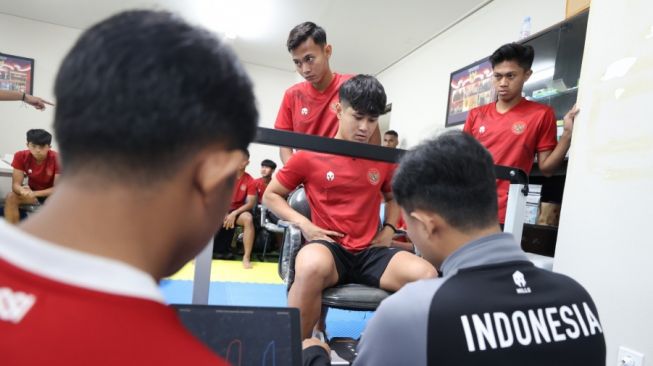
(39, 176)
(513, 138)
(59, 306)
(306, 110)
(343, 193)
(245, 186)
(261, 185)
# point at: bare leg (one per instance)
(403, 268)
(247, 222)
(12, 201)
(315, 270)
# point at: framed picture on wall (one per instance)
(16, 73)
(469, 87)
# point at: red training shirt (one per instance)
(306, 110)
(343, 193)
(40, 176)
(244, 187)
(513, 138)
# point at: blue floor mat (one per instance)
(340, 323)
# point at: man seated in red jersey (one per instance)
(41, 167)
(310, 106)
(514, 129)
(150, 149)
(267, 169)
(240, 213)
(343, 241)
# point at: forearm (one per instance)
(549, 165)
(10, 95)
(248, 206)
(17, 188)
(285, 153)
(277, 204)
(392, 212)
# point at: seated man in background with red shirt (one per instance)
(240, 213)
(343, 241)
(39, 164)
(267, 169)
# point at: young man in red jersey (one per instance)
(343, 241)
(240, 213)
(150, 150)
(309, 107)
(515, 129)
(267, 169)
(41, 167)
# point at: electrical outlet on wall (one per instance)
(628, 357)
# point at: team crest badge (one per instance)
(373, 176)
(330, 176)
(518, 128)
(481, 130)
(243, 187)
(304, 111)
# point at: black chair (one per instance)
(348, 296)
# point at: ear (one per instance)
(528, 74)
(215, 169)
(339, 110)
(430, 222)
(328, 50)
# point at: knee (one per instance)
(247, 220)
(311, 270)
(426, 271)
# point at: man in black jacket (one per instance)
(491, 306)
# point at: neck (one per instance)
(267, 179)
(88, 221)
(506, 105)
(324, 82)
(455, 239)
(240, 173)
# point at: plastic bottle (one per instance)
(525, 28)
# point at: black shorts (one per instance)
(364, 267)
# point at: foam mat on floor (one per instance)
(233, 271)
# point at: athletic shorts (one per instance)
(365, 267)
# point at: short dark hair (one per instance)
(522, 54)
(392, 132)
(300, 33)
(451, 175)
(269, 163)
(154, 90)
(365, 94)
(39, 137)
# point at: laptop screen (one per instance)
(246, 335)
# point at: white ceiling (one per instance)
(367, 35)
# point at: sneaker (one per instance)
(321, 335)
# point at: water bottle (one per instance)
(525, 28)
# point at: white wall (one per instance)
(417, 86)
(47, 44)
(604, 236)
(269, 86)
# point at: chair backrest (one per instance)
(299, 202)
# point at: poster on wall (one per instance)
(469, 88)
(16, 73)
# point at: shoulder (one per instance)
(536, 107)
(342, 77)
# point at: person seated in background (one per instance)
(491, 306)
(240, 213)
(150, 149)
(391, 139)
(13, 95)
(343, 241)
(41, 167)
(267, 169)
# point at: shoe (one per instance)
(224, 256)
(321, 335)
